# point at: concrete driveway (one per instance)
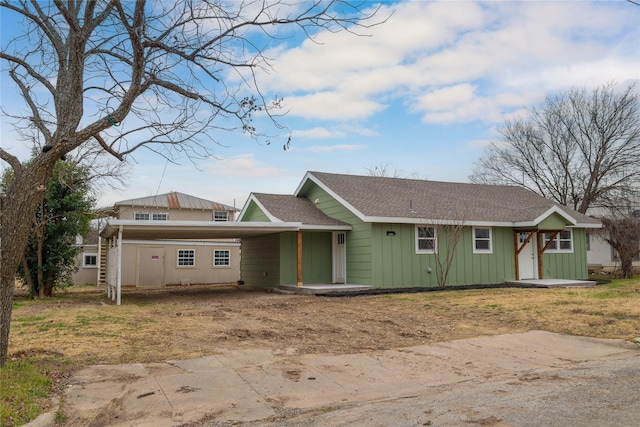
(529, 379)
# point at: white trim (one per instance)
(413, 220)
(160, 242)
(213, 258)
(94, 254)
(557, 240)
(474, 238)
(178, 258)
(252, 198)
(435, 240)
(343, 202)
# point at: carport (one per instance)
(117, 231)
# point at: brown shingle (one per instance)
(294, 209)
(407, 198)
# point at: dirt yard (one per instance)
(85, 327)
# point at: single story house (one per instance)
(398, 233)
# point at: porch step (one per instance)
(554, 283)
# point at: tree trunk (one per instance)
(18, 206)
(27, 275)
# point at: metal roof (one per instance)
(175, 200)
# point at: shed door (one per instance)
(150, 272)
(527, 266)
(339, 257)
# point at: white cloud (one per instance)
(479, 54)
(318, 133)
(338, 147)
(244, 165)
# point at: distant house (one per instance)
(601, 257)
(387, 233)
(160, 259)
(87, 260)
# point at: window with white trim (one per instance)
(186, 257)
(141, 216)
(221, 258)
(426, 240)
(89, 260)
(482, 240)
(563, 242)
(160, 216)
(221, 216)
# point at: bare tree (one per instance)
(166, 76)
(384, 170)
(623, 234)
(448, 238)
(580, 149)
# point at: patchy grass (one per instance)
(81, 326)
(28, 380)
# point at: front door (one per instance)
(339, 257)
(527, 266)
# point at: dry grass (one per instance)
(177, 323)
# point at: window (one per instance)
(425, 239)
(563, 242)
(90, 260)
(482, 240)
(146, 216)
(186, 257)
(221, 258)
(221, 216)
(587, 242)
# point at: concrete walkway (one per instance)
(260, 386)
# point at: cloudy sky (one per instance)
(424, 94)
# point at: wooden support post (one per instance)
(516, 236)
(299, 282)
(540, 252)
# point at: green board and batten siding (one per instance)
(358, 242)
(316, 258)
(397, 265)
(568, 265)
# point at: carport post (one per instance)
(119, 267)
(299, 282)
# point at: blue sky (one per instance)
(424, 94)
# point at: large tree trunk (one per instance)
(21, 201)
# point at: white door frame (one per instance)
(339, 257)
(528, 257)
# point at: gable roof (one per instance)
(287, 208)
(175, 200)
(383, 199)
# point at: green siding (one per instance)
(254, 214)
(568, 265)
(553, 222)
(397, 265)
(260, 261)
(288, 258)
(359, 261)
(316, 257)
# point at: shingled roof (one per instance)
(379, 198)
(287, 208)
(175, 200)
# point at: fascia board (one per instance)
(253, 198)
(400, 220)
(552, 210)
(112, 226)
(326, 227)
(351, 208)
